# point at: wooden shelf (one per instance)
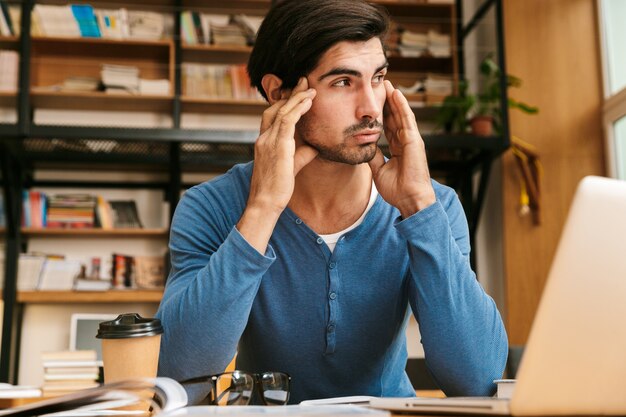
(8, 99)
(224, 54)
(9, 42)
(77, 233)
(224, 106)
(113, 296)
(218, 48)
(162, 43)
(100, 101)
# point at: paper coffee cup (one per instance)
(130, 347)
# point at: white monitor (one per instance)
(83, 330)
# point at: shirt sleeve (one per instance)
(464, 339)
(213, 282)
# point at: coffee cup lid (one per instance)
(129, 325)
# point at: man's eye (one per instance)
(379, 78)
(342, 83)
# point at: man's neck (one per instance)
(331, 196)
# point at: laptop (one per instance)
(575, 358)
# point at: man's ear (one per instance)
(272, 85)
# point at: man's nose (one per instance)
(368, 105)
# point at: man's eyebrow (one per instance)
(349, 71)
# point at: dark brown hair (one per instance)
(295, 34)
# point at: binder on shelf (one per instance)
(87, 22)
(29, 271)
(58, 275)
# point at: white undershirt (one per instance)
(332, 239)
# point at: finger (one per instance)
(285, 125)
(269, 114)
(406, 113)
(377, 162)
(304, 155)
(302, 85)
(392, 105)
(293, 101)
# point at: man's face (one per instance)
(345, 120)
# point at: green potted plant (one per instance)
(487, 114)
(452, 114)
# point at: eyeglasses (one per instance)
(239, 388)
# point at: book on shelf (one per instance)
(53, 20)
(113, 23)
(6, 23)
(78, 83)
(58, 274)
(154, 87)
(86, 19)
(218, 82)
(145, 272)
(145, 25)
(125, 214)
(250, 25)
(15, 13)
(9, 62)
(90, 284)
(29, 269)
(71, 211)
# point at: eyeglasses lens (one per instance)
(275, 387)
(233, 389)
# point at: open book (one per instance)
(140, 397)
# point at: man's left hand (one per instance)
(403, 181)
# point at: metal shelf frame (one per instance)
(458, 158)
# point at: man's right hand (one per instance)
(277, 161)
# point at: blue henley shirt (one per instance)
(334, 321)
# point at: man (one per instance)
(307, 260)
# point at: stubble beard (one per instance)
(341, 152)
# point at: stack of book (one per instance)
(78, 83)
(120, 78)
(412, 44)
(437, 87)
(69, 371)
(71, 211)
(438, 44)
(218, 81)
(9, 61)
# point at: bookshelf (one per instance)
(171, 147)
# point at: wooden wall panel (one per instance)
(553, 45)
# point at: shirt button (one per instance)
(320, 240)
(298, 221)
(331, 328)
(332, 265)
(332, 295)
